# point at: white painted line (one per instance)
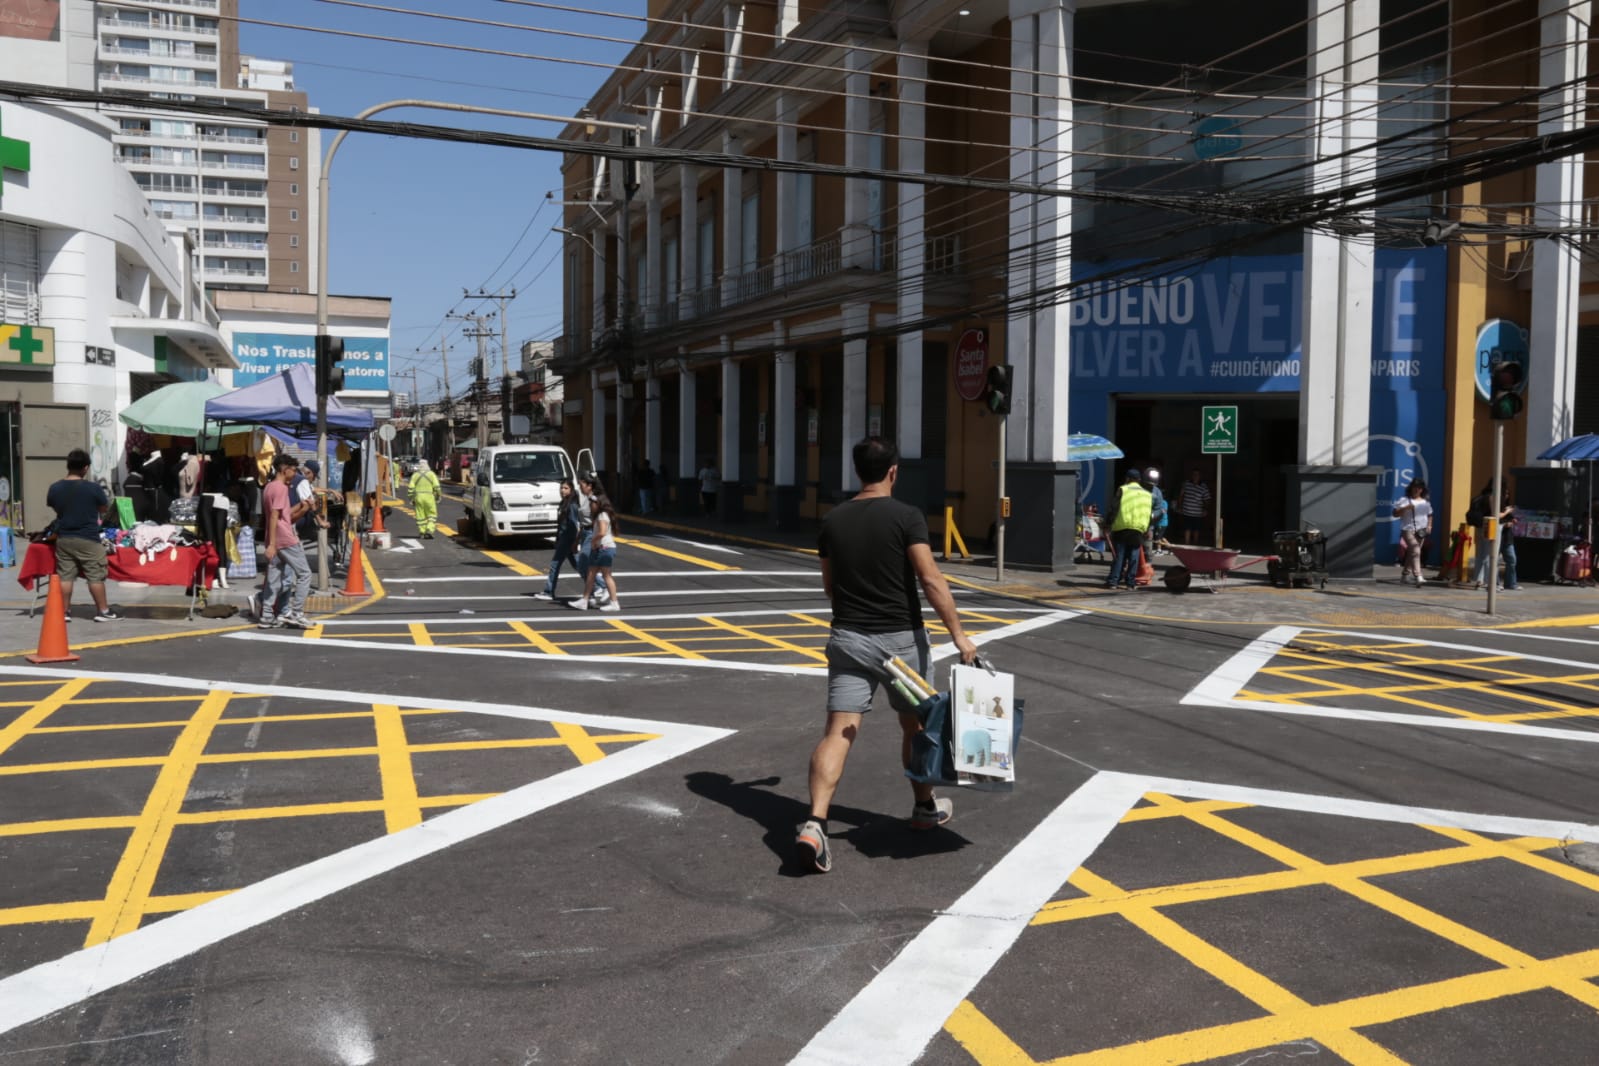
(511, 653)
(1537, 636)
(1015, 629)
(1221, 688)
(52, 986)
(570, 617)
(1379, 812)
(626, 593)
(705, 547)
(893, 1019)
(568, 574)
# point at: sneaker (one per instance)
(580, 605)
(268, 622)
(611, 605)
(296, 621)
(810, 847)
(542, 596)
(253, 605)
(922, 818)
(110, 614)
(1420, 581)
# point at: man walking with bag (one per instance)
(875, 551)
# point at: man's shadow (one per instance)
(874, 835)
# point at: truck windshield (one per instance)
(528, 467)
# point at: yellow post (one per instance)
(952, 536)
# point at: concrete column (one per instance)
(732, 43)
(652, 421)
(650, 300)
(733, 265)
(785, 494)
(597, 262)
(1037, 344)
(856, 319)
(856, 244)
(688, 242)
(1041, 484)
(1557, 265)
(1338, 278)
(597, 401)
(787, 17)
(687, 449)
(731, 498)
(912, 247)
(787, 150)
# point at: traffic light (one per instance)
(1507, 380)
(329, 374)
(999, 386)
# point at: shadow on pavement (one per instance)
(876, 836)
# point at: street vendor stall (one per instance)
(192, 568)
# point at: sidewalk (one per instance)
(1247, 600)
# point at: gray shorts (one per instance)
(855, 666)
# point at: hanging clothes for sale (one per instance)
(189, 476)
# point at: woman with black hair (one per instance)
(568, 530)
(602, 552)
(1414, 512)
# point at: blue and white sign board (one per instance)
(1498, 341)
(1231, 326)
(260, 355)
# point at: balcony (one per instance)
(818, 260)
(236, 220)
(232, 167)
(150, 135)
(213, 193)
(240, 247)
(157, 28)
(236, 273)
(144, 55)
(229, 138)
(117, 77)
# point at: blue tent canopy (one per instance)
(286, 402)
(1582, 448)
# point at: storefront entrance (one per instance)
(1164, 432)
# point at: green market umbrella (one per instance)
(175, 410)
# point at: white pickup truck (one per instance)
(516, 490)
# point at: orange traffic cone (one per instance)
(53, 634)
(377, 513)
(355, 579)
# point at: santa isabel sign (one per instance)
(971, 364)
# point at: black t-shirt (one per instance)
(77, 504)
(874, 584)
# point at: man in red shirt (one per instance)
(285, 557)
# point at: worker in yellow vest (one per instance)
(1131, 513)
(424, 492)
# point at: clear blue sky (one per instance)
(416, 220)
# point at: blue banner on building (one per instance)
(260, 355)
(1231, 326)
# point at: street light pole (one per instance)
(322, 267)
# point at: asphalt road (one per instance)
(462, 825)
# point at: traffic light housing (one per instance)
(1507, 380)
(329, 374)
(999, 388)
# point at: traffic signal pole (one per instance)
(999, 525)
(1493, 519)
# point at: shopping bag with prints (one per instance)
(970, 733)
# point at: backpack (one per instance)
(1477, 513)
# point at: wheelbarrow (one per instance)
(1210, 565)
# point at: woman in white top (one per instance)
(1414, 512)
(602, 552)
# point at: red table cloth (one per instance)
(124, 565)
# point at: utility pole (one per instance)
(480, 381)
(448, 409)
(505, 353)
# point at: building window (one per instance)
(294, 267)
(294, 189)
(294, 136)
(19, 274)
(294, 214)
(294, 240)
(294, 162)
(296, 292)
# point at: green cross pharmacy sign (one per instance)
(1218, 434)
(14, 155)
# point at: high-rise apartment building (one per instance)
(243, 189)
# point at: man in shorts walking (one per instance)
(78, 504)
(875, 551)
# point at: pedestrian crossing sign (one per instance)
(1218, 434)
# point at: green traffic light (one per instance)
(1504, 406)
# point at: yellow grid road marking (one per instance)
(419, 634)
(516, 566)
(577, 738)
(135, 874)
(401, 809)
(648, 638)
(26, 721)
(708, 564)
(776, 642)
(537, 639)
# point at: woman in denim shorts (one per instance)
(602, 553)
